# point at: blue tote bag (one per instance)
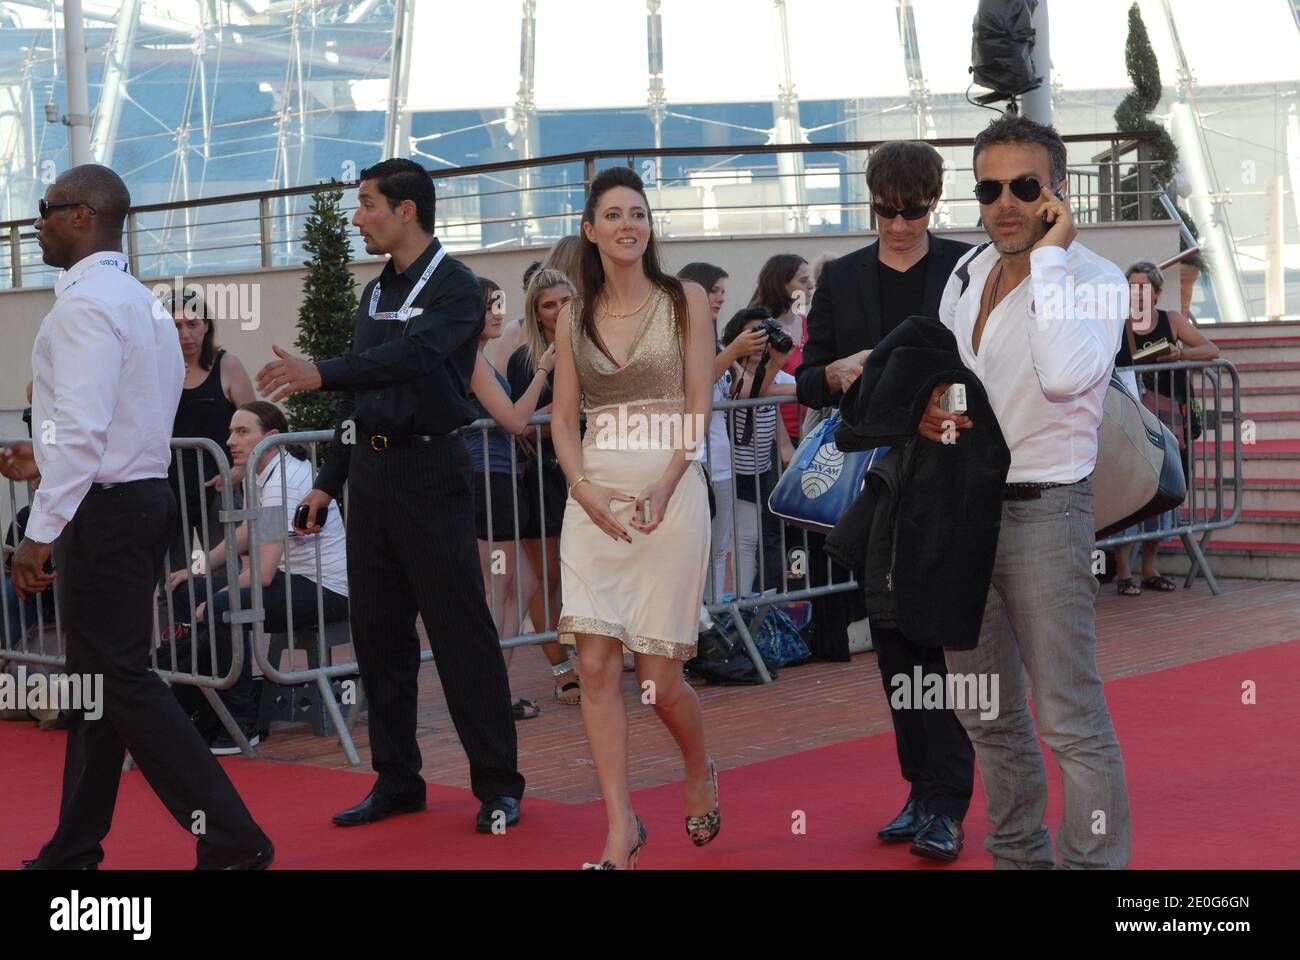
(822, 480)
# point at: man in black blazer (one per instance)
(859, 299)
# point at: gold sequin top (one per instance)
(653, 372)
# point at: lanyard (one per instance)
(404, 313)
(122, 264)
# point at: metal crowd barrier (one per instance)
(1189, 397)
(1203, 513)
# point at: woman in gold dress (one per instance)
(636, 348)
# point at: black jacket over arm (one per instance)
(942, 529)
(845, 313)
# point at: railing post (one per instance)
(133, 243)
(1144, 179)
(264, 228)
(15, 258)
(588, 173)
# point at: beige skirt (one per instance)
(646, 593)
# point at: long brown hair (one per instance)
(193, 307)
(592, 271)
(776, 274)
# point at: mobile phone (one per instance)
(954, 399)
(1043, 216)
(300, 516)
(645, 510)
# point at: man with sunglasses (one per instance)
(1038, 317)
(107, 376)
(859, 299)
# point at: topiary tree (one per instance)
(329, 304)
(1132, 114)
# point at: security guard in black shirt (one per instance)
(411, 541)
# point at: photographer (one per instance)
(754, 433)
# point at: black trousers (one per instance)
(934, 752)
(109, 559)
(412, 549)
(241, 699)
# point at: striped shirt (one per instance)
(755, 456)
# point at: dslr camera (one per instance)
(777, 338)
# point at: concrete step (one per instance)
(1260, 349)
(1265, 527)
(1272, 393)
(1268, 330)
(1269, 374)
(1236, 560)
(1264, 459)
(1268, 424)
(1258, 494)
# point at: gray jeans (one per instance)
(1040, 620)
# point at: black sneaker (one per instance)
(224, 745)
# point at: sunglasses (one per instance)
(44, 207)
(907, 213)
(1022, 188)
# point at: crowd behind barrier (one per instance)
(1204, 414)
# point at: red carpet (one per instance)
(1213, 784)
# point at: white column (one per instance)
(78, 116)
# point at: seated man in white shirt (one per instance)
(1038, 317)
(289, 576)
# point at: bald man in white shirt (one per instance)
(107, 372)
(1038, 317)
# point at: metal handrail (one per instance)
(590, 156)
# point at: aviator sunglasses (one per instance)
(1022, 188)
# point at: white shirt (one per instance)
(1046, 355)
(286, 492)
(717, 455)
(107, 374)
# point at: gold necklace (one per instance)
(611, 315)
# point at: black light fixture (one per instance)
(1001, 51)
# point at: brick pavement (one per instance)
(809, 706)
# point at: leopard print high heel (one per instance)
(703, 829)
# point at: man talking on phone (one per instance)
(410, 524)
(1038, 318)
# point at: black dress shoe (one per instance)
(489, 815)
(33, 865)
(904, 826)
(258, 861)
(940, 838)
(377, 807)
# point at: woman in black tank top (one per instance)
(1186, 343)
(216, 384)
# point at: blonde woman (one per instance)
(635, 548)
(542, 484)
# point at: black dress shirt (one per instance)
(403, 379)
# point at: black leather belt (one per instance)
(380, 442)
(1028, 491)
